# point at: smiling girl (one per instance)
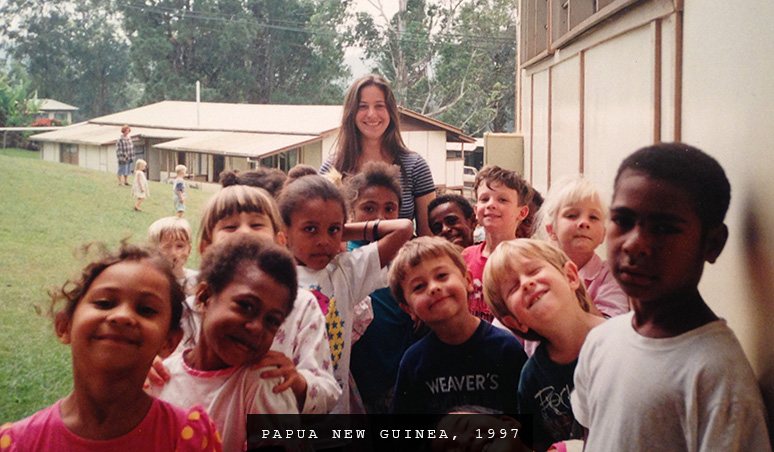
(315, 223)
(246, 290)
(121, 312)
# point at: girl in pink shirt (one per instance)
(117, 316)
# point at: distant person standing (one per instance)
(180, 190)
(125, 155)
(140, 187)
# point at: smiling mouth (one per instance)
(535, 298)
(626, 276)
(242, 344)
(117, 338)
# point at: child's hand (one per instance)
(287, 370)
(157, 375)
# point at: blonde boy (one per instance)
(502, 202)
(173, 237)
(536, 291)
(464, 360)
(179, 188)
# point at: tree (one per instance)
(257, 51)
(72, 50)
(454, 60)
(17, 104)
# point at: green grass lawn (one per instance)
(46, 211)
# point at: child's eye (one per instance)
(418, 287)
(666, 229)
(310, 229)
(256, 225)
(230, 227)
(443, 276)
(368, 209)
(103, 304)
(333, 230)
(436, 228)
(274, 322)
(624, 222)
(245, 306)
(390, 209)
(147, 311)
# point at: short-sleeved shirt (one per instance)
(692, 392)
(416, 181)
(164, 428)
(483, 371)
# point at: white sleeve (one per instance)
(311, 355)
(362, 270)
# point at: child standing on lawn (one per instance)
(464, 360)
(121, 312)
(140, 185)
(502, 202)
(670, 375)
(573, 218)
(179, 187)
(314, 214)
(534, 289)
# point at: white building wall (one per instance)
(637, 92)
(432, 147)
(50, 151)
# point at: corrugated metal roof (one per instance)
(238, 144)
(55, 105)
(277, 119)
(102, 135)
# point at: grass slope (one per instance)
(47, 210)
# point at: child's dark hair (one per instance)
(222, 261)
(270, 179)
(307, 188)
(687, 167)
(378, 174)
(494, 174)
(73, 291)
(463, 204)
(300, 170)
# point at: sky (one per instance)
(353, 56)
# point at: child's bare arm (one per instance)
(390, 234)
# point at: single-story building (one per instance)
(53, 109)
(211, 137)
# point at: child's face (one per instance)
(536, 292)
(376, 203)
(436, 290)
(315, 232)
(448, 221)
(176, 250)
(498, 209)
(122, 321)
(655, 245)
(579, 229)
(257, 224)
(239, 323)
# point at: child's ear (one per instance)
(523, 212)
(714, 242)
(407, 309)
(203, 294)
(513, 323)
(280, 238)
(203, 247)
(62, 327)
(469, 278)
(173, 338)
(571, 273)
(550, 231)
